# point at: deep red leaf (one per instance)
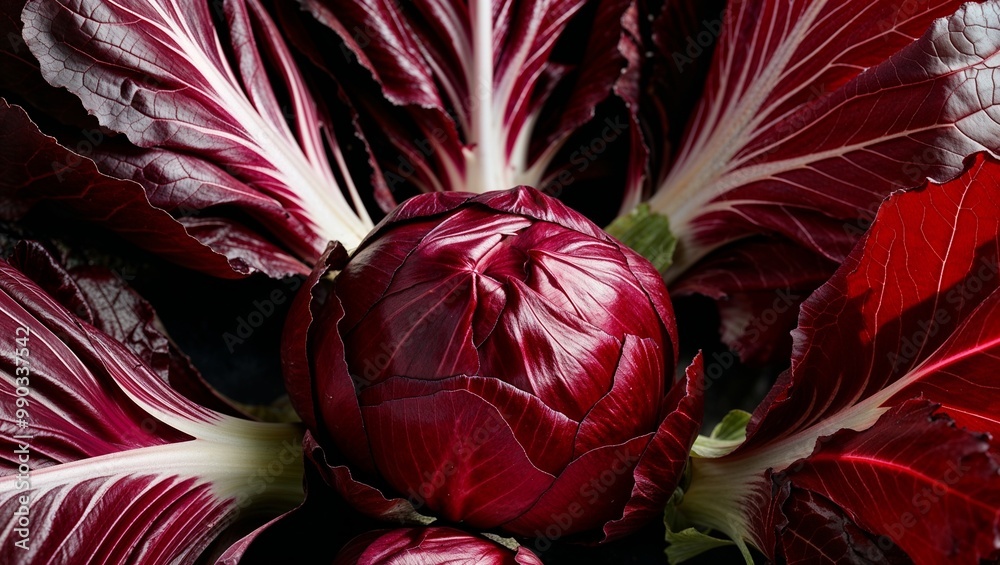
(937, 485)
(480, 100)
(911, 314)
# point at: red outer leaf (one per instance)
(667, 453)
(364, 497)
(295, 354)
(912, 313)
(407, 443)
(909, 311)
(812, 113)
(36, 167)
(543, 434)
(938, 486)
(64, 374)
(818, 531)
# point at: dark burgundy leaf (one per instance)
(203, 110)
(479, 100)
(103, 299)
(937, 485)
(35, 167)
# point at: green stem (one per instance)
(648, 233)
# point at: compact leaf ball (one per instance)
(500, 361)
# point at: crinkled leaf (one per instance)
(915, 478)
(207, 108)
(35, 167)
(818, 531)
(912, 313)
(110, 463)
(102, 298)
(812, 123)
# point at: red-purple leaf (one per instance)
(818, 531)
(204, 106)
(103, 299)
(483, 96)
(102, 459)
(414, 445)
(912, 313)
(937, 485)
(667, 454)
(367, 499)
(35, 167)
(807, 122)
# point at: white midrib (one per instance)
(485, 162)
(317, 193)
(695, 179)
(719, 489)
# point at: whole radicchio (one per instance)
(499, 360)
